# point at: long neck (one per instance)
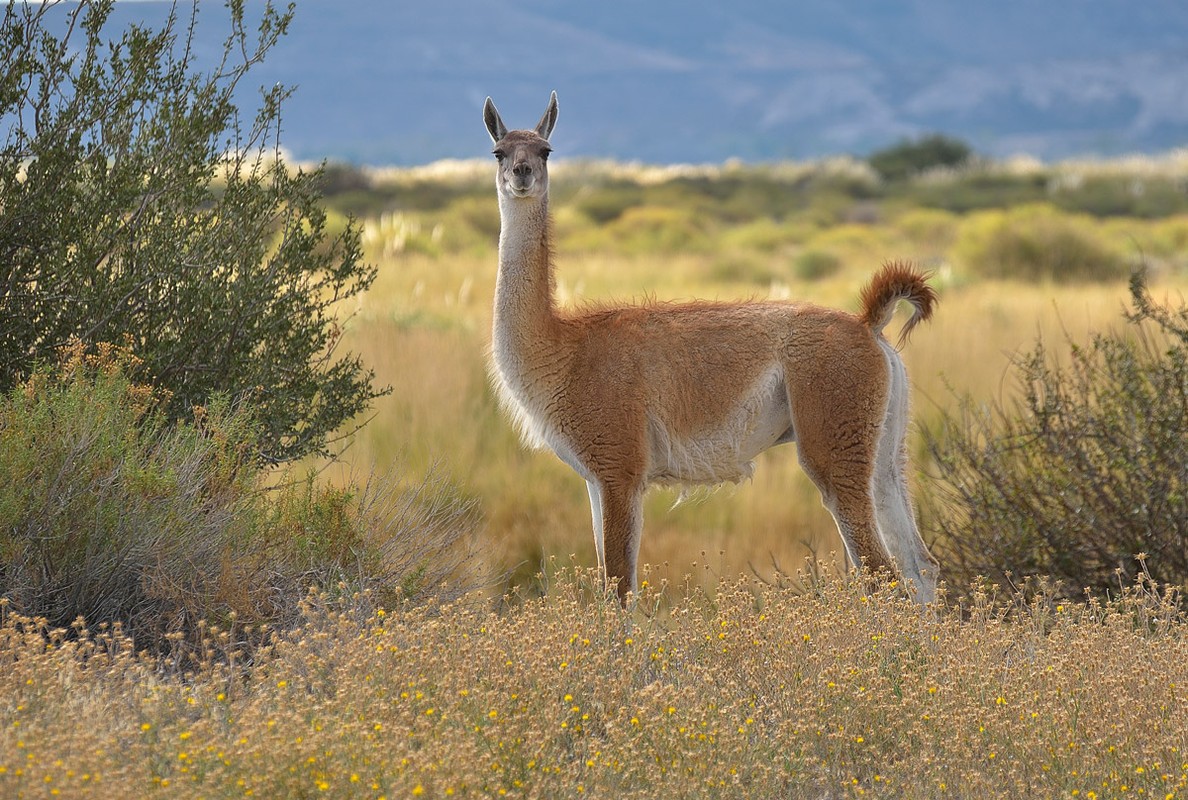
(524, 311)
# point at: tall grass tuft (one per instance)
(108, 512)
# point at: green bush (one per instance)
(975, 189)
(655, 229)
(1085, 478)
(606, 203)
(813, 265)
(743, 267)
(1168, 243)
(112, 513)
(911, 157)
(762, 235)
(479, 216)
(137, 203)
(339, 178)
(930, 229)
(1037, 243)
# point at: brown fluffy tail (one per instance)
(897, 281)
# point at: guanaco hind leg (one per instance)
(837, 413)
(893, 506)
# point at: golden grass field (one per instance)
(715, 685)
(442, 412)
(754, 692)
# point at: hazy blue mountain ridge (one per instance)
(386, 82)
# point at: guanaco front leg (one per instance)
(622, 524)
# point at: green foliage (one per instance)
(762, 235)
(1122, 196)
(478, 218)
(112, 513)
(1085, 478)
(610, 201)
(1169, 239)
(812, 265)
(137, 205)
(911, 157)
(743, 268)
(976, 189)
(651, 230)
(1035, 243)
(933, 229)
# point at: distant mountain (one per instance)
(402, 82)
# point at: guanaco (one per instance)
(690, 393)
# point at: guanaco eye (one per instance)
(544, 155)
(499, 154)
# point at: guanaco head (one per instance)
(522, 155)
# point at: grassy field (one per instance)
(535, 505)
(756, 691)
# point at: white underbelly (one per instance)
(725, 451)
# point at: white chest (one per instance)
(526, 399)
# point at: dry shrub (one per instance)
(111, 514)
(1086, 470)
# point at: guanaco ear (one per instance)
(545, 126)
(495, 125)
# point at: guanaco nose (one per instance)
(523, 168)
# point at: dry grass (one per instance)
(757, 692)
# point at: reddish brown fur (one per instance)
(897, 280)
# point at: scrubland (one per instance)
(402, 636)
(810, 232)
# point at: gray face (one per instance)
(523, 155)
(523, 164)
